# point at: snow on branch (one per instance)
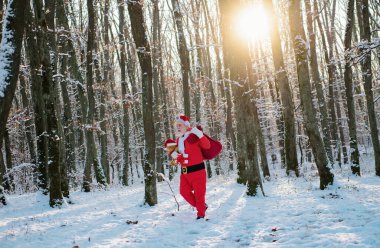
(6, 50)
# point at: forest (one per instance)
(89, 92)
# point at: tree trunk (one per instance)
(332, 76)
(38, 104)
(48, 89)
(365, 35)
(226, 9)
(28, 123)
(318, 83)
(91, 152)
(252, 76)
(236, 56)
(143, 51)
(160, 153)
(184, 56)
(125, 104)
(300, 50)
(355, 162)
(8, 185)
(104, 122)
(3, 200)
(286, 95)
(12, 37)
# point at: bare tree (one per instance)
(91, 153)
(183, 54)
(136, 16)
(355, 164)
(11, 37)
(285, 93)
(365, 35)
(124, 93)
(315, 75)
(310, 122)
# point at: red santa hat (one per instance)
(170, 142)
(183, 119)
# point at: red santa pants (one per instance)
(192, 187)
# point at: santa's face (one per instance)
(180, 128)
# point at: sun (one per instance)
(251, 23)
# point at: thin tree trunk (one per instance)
(226, 9)
(48, 89)
(124, 94)
(8, 185)
(236, 56)
(104, 123)
(14, 30)
(28, 123)
(184, 56)
(286, 95)
(365, 35)
(3, 170)
(91, 152)
(140, 37)
(310, 122)
(156, 83)
(318, 83)
(38, 104)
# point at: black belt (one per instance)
(192, 168)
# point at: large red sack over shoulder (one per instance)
(215, 146)
(215, 149)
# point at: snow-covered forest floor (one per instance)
(294, 213)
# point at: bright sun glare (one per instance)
(251, 23)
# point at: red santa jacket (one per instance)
(193, 146)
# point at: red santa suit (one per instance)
(193, 173)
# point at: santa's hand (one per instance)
(180, 159)
(197, 132)
(174, 155)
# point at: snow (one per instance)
(6, 51)
(295, 213)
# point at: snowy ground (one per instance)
(294, 214)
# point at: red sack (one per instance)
(215, 149)
(215, 146)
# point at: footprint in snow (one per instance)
(193, 232)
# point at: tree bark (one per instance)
(310, 122)
(124, 94)
(160, 153)
(38, 104)
(286, 95)
(236, 56)
(91, 152)
(48, 89)
(318, 83)
(184, 56)
(28, 123)
(104, 122)
(143, 51)
(13, 26)
(365, 35)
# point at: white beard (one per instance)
(181, 142)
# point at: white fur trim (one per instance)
(186, 123)
(174, 155)
(181, 142)
(197, 132)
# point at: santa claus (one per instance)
(193, 147)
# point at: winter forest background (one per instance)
(89, 91)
